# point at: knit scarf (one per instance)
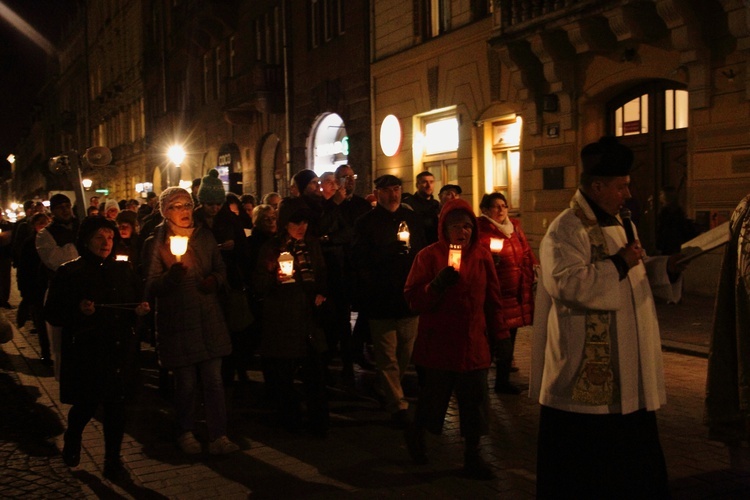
(302, 261)
(505, 227)
(595, 383)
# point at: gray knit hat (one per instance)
(212, 189)
(168, 195)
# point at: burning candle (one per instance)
(286, 264)
(403, 233)
(496, 245)
(178, 246)
(123, 258)
(454, 257)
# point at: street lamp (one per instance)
(176, 155)
(87, 183)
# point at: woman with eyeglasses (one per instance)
(191, 331)
(514, 263)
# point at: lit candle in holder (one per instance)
(286, 264)
(403, 233)
(454, 257)
(496, 245)
(178, 246)
(123, 258)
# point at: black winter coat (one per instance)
(99, 352)
(381, 268)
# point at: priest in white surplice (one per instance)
(596, 353)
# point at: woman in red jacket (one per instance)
(458, 308)
(514, 264)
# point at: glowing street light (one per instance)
(176, 154)
(87, 183)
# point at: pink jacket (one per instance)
(454, 326)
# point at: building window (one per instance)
(505, 174)
(632, 117)
(206, 76)
(217, 67)
(314, 23)
(231, 55)
(675, 109)
(431, 18)
(258, 40)
(438, 142)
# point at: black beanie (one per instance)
(303, 178)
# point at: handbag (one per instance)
(237, 310)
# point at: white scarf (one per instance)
(505, 227)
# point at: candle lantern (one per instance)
(286, 266)
(496, 245)
(403, 233)
(123, 258)
(454, 257)
(178, 246)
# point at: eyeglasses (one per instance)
(180, 207)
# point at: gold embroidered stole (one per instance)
(595, 383)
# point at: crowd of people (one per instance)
(432, 283)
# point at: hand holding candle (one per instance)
(496, 245)
(286, 267)
(454, 257)
(178, 246)
(403, 233)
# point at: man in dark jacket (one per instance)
(382, 262)
(425, 205)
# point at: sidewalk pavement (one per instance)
(363, 454)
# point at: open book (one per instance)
(705, 242)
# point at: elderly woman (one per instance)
(191, 333)
(291, 339)
(459, 308)
(95, 299)
(514, 264)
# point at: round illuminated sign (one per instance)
(390, 135)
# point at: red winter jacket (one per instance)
(515, 270)
(453, 326)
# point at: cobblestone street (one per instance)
(363, 454)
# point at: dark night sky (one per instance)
(22, 64)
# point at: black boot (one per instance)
(503, 362)
(414, 437)
(114, 470)
(71, 453)
(474, 465)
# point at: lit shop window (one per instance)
(632, 117)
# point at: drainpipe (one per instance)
(287, 127)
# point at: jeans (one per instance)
(186, 387)
(393, 342)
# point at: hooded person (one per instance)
(95, 299)
(454, 288)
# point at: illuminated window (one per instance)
(505, 174)
(675, 109)
(438, 141)
(632, 117)
(441, 136)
